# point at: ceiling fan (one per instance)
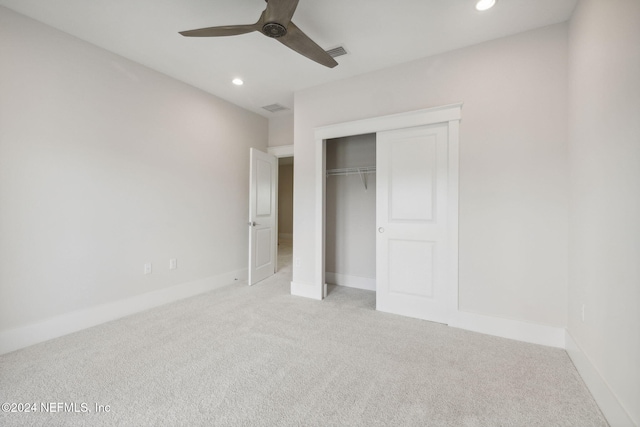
(275, 22)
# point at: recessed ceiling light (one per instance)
(237, 82)
(485, 4)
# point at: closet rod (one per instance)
(363, 171)
(351, 171)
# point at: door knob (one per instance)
(380, 229)
(252, 224)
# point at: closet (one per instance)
(387, 211)
(350, 258)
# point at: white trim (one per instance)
(320, 223)
(409, 119)
(281, 151)
(452, 211)
(358, 282)
(508, 328)
(609, 404)
(307, 291)
(67, 323)
(449, 114)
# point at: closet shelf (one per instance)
(351, 171)
(362, 171)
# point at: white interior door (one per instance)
(262, 216)
(411, 215)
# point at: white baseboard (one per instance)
(67, 323)
(307, 291)
(609, 404)
(357, 282)
(507, 328)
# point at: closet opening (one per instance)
(350, 212)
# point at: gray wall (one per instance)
(106, 165)
(604, 158)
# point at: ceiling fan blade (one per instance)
(280, 11)
(227, 30)
(301, 43)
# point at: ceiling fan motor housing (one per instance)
(273, 29)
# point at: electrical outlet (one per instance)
(173, 264)
(298, 262)
(147, 268)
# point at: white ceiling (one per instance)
(376, 33)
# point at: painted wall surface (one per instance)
(513, 158)
(285, 201)
(106, 165)
(281, 130)
(351, 209)
(604, 261)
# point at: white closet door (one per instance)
(262, 216)
(411, 244)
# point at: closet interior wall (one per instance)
(350, 246)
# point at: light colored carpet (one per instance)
(257, 356)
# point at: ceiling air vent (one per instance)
(274, 108)
(337, 51)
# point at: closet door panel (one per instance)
(411, 243)
(411, 179)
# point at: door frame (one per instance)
(279, 152)
(450, 114)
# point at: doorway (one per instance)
(264, 212)
(284, 249)
(350, 258)
(285, 212)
